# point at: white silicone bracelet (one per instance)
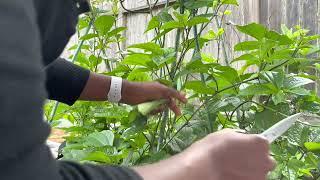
(114, 94)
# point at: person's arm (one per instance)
(23, 154)
(97, 88)
(67, 83)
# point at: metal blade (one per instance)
(281, 127)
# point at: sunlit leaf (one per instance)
(104, 23)
(100, 139)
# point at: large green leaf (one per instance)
(153, 23)
(247, 46)
(249, 58)
(172, 25)
(197, 20)
(181, 18)
(139, 76)
(104, 23)
(226, 72)
(199, 87)
(265, 119)
(255, 30)
(296, 81)
(168, 56)
(256, 89)
(116, 31)
(196, 4)
(276, 78)
(225, 104)
(284, 54)
(232, 2)
(89, 36)
(148, 47)
(198, 66)
(164, 16)
(282, 39)
(312, 146)
(279, 97)
(100, 139)
(98, 156)
(139, 59)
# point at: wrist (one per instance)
(128, 89)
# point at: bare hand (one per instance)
(135, 93)
(225, 155)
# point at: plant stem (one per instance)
(197, 52)
(162, 128)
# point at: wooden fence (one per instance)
(272, 13)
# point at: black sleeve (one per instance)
(23, 153)
(65, 81)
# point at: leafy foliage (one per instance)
(221, 96)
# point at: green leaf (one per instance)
(279, 97)
(265, 119)
(227, 73)
(116, 31)
(284, 54)
(104, 23)
(168, 56)
(256, 89)
(232, 2)
(249, 58)
(138, 76)
(172, 25)
(154, 23)
(276, 78)
(139, 59)
(148, 47)
(89, 36)
(181, 18)
(197, 20)
(299, 91)
(247, 46)
(226, 104)
(164, 16)
(100, 139)
(199, 66)
(199, 87)
(282, 39)
(312, 146)
(255, 30)
(296, 81)
(196, 4)
(98, 156)
(210, 35)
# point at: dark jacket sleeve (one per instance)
(23, 153)
(65, 81)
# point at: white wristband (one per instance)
(114, 94)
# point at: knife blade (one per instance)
(281, 127)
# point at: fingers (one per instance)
(174, 107)
(271, 164)
(168, 92)
(177, 95)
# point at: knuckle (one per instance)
(260, 140)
